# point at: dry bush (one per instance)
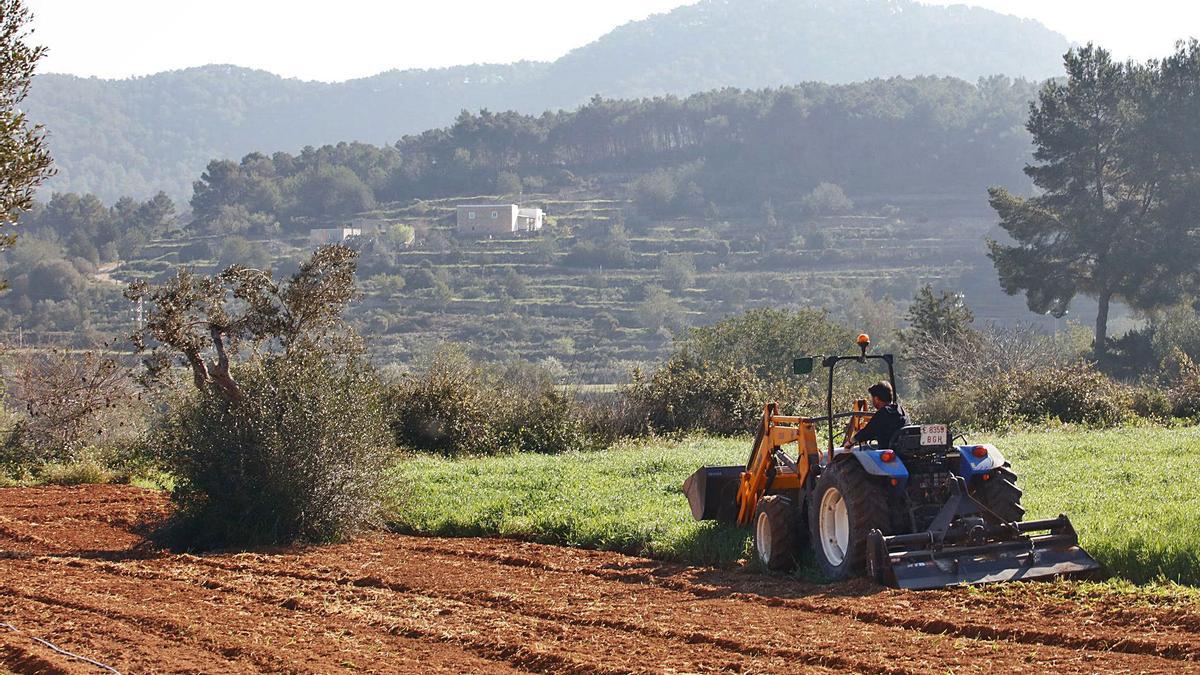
(999, 377)
(1074, 393)
(979, 355)
(66, 402)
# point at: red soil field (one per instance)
(77, 572)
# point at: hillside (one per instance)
(137, 136)
(532, 298)
(665, 214)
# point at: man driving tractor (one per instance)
(889, 418)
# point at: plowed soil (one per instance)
(76, 572)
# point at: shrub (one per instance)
(672, 191)
(678, 270)
(85, 472)
(240, 251)
(547, 423)
(1180, 389)
(766, 340)
(1185, 398)
(608, 418)
(603, 253)
(453, 406)
(656, 192)
(658, 311)
(690, 394)
(827, 199)
(1075, 393)
(301, 457)
(1152, 402)
(508, 183)
(437, 410)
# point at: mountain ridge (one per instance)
(139, 135)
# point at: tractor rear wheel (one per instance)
(846, 505)
(775, 533)
(1001, 494)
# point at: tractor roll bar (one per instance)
(831, 362)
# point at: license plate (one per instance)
(933, 434)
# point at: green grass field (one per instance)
(1133, 494)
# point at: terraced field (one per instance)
(80, 582)
(594, 321)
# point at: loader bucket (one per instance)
(911, 561)
(712, 493)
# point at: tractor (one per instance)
(918, 512)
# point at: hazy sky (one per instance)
(352, 38)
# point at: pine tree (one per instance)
(1108, 221)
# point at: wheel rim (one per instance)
(835, 527)
(762, 538)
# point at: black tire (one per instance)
(876, 558)
(865, 501)
(1001, 495)
(775, 533)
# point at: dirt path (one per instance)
(75, 572)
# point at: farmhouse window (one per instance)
(470, 215)
(495, 215)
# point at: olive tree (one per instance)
(205, 320)
(284, 437)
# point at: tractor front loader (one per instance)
(919, 513)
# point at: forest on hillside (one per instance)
(879, 141)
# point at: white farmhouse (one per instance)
(487, 218)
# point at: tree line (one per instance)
(733, 147)
(898, 136)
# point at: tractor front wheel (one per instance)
(775, 533)
(846, 505)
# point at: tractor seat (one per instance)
(907, 438)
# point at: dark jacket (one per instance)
(883, 425)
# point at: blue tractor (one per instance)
(921, 512)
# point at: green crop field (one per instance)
(1132, 494)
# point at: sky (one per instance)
(305, 39)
